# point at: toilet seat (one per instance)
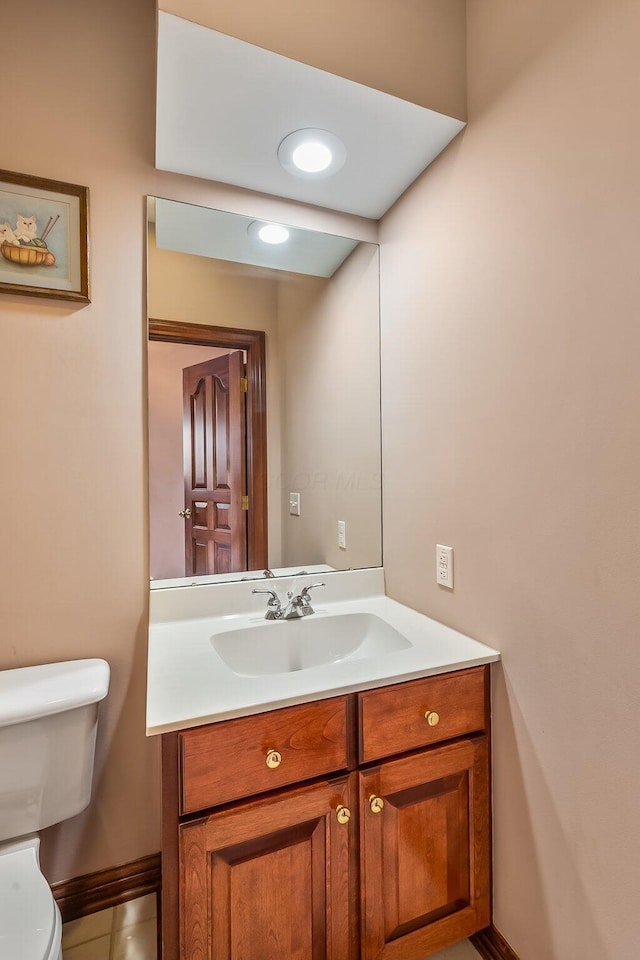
(30, 923)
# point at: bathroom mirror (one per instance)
(264, 399)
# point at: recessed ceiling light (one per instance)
(312, 153)
(312, 156)
(273, 233)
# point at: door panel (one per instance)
(200, 556)
(214, 466)
(221, 427)
(201, 515)
(425, 865)
(269, 880)
(265, 900)
(431, 873)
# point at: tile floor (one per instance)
(128, 932)
(461, 951)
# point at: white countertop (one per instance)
(190, 685)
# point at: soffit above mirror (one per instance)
(224, 106)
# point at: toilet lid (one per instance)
(27, 908)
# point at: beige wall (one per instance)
(331, 413)
(511, 395)
(165, 365)
(74, 567)
(425, 63)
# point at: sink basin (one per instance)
(285, 646)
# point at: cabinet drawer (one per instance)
(399, 718)
(226, 761)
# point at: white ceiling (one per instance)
(187, 228)
(224, 106)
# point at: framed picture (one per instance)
(43, 238)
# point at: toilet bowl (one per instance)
(30, 922)
(48, 725)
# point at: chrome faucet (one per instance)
(299, 605)
(267, 574)
(274, 607)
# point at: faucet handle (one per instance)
(300, 605)
(272, 593)
(310, 586)
(304, 593)
(274, 607)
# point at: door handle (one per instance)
(185, 514)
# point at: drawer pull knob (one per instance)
(376, 803)
(273, 759)
(343, 814)
(432, 718)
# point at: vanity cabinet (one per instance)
(252, 755)
(424, 846)
(270, 878)
(382, 854)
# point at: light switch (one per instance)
(294, 504)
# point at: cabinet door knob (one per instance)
(376, 803)
(273, 759)
(185, 514)
(343, 814)
(432, 718)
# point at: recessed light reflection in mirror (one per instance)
(186, 228)
(273, 233)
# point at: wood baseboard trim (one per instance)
(491, 945)
(107, 888)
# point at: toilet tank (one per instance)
(48, 724)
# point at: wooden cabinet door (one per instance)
(270, 879)
(425, 856)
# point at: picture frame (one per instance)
(44, 243)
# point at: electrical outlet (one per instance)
(342, 535)
(444, 566)
(294, 504)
